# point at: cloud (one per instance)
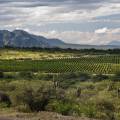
(84, 37)
(106, 30)
(54, 10)
(101, 31)
(77, 21)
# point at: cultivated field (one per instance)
(104, 64)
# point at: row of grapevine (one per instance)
(92, 64)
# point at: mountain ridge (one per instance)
(20, 38)
(23, 39)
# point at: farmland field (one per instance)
(104, 64)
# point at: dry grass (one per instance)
(40, 116)
(16, 54)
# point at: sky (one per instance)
(73, 21)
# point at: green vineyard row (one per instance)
(93, 64)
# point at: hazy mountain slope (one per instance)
(20, 38)
(77, 46)
(116, 42)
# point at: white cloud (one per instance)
(101, 31)
(32, 15)
(114, 31)
(84, 37)
(106, 30)
(62, 13)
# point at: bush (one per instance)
(90, 111)
(66, 83)
(3, 105)
(64, 108)
(9, 76)
(69, 76)
(116, 77)
(28, 75)
(45, 76)
(35, 100)
(4, 98)
(105, 109)
(83, 76)
(23, 108)
(104, 105)
(76, 75)
(99, 77)
(1, 74)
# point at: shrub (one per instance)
(9, 76)
(4, 98)
(35, 100)
(99, 77)
(3, 105)
(90, 111)
(45, 76)
(106, 109)
(116, 77)
(90, 87)
(64, 108)
(1, 74)
(69, 76)
(83, 76)
(23, 108)
(104, 105)
(66, 83)
(76, 75)
(28, 75)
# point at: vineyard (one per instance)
(91, 64)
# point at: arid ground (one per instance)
(40, 116)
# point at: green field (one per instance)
(104, 64)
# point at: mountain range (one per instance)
(116, 43)
(23, 39)
(20, 38)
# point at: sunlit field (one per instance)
(34, 55)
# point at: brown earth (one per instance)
(41, 116)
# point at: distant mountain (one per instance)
(20, 38)
(78, 46)
(116, 43)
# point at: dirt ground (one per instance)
(40, 116)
